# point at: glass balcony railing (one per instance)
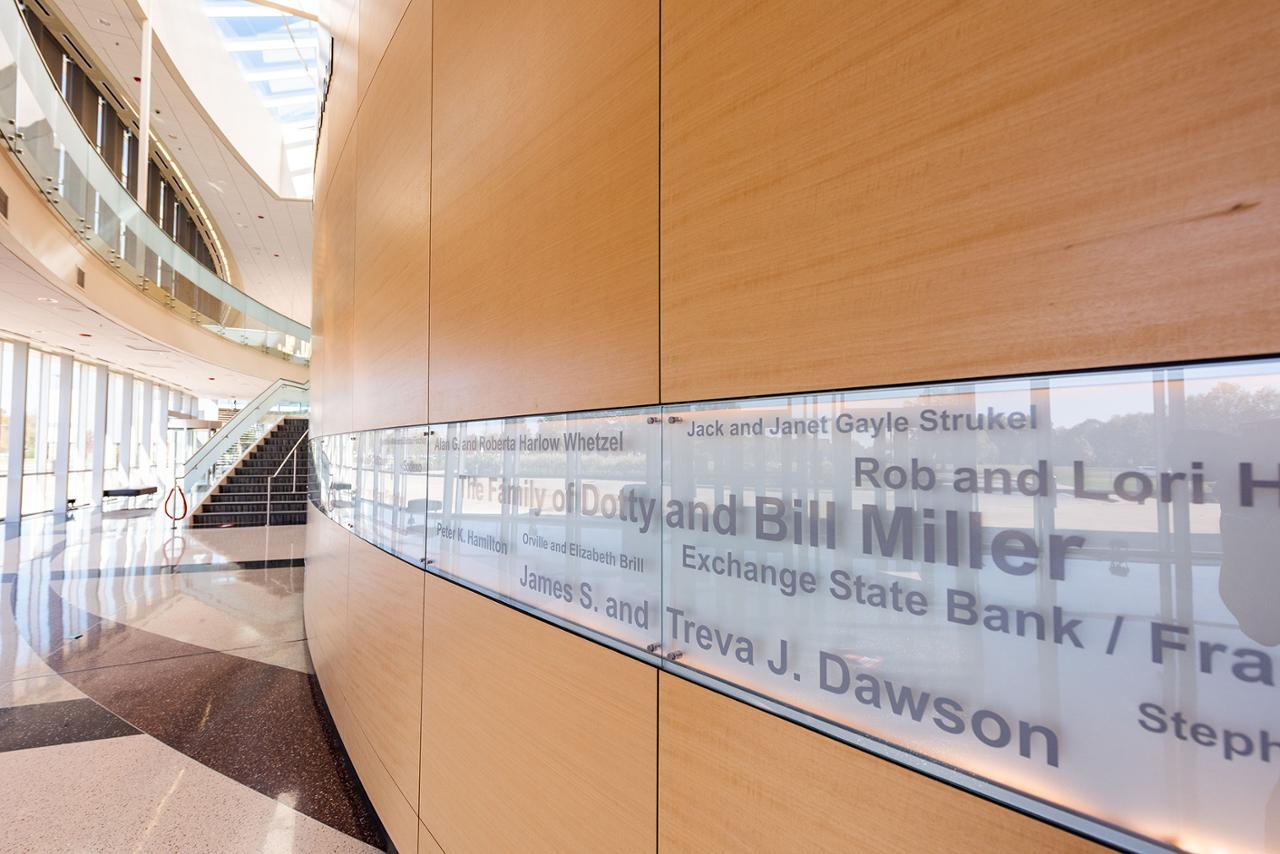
(46, 139)
(224, 449)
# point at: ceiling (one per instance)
(36, 311)
(267, 237)
(278, 54)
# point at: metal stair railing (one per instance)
(225, 448)
(293, 454)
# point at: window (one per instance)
(114, 473)
(44, 421)
(61, 415)
(80, 464)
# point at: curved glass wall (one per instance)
(44, 135)
(1060, 592)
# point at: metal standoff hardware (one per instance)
(674, 419)
(674, 654)
(654, 648)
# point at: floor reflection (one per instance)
(156, 693)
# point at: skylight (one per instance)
(282, 56)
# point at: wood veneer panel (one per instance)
(397, 814)
(319, 350)
(325, 598)
(393, 227)
(533, 739)
(733, 779)
(384, 659)
(427, 845)
(353, 662)
(336, 282)
(544, 206)
(378, 20)
(340, 102)
(915, 192)
(323, 169)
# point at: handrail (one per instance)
(280, 391)
(294, 482)
(43, 135)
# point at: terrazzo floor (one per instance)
(156, 694)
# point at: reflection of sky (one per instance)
(1079, 397)
(1074, 397)
(278, 54)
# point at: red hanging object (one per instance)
(179, 494)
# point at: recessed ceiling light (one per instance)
(85, 335)
(104, 22)
(47, 299)
(213, 379)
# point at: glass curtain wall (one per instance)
(60, 415)
(139, 452)
(113, 468)
(158, 441)
(44, 379)
(80, 466)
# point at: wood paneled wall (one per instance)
(393, 224)
(571, 204)
(544, 227)
(561, 220)
(534, 738)
(921, 192)
(756, 758)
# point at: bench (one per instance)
(130, 491)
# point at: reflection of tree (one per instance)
(1129, 440)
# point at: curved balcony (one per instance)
(47, 141)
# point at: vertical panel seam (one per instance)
(431, 184)
(657, 672)
(431, 192)
(660, 397)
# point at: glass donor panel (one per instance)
(555, 512)
(1069, 585)
(1066, 585)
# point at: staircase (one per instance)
(240, 501)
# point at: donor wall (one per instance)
(1062, 591)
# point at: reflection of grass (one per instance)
(1103, 480)
(1095, 479)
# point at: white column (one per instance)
(99, 433)
(144, 109)
(17, 434)
(62, 456)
